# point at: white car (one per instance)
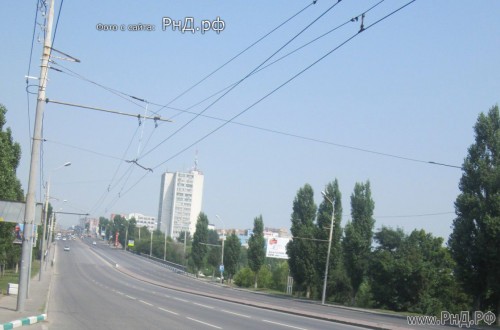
(66, 248)
(94, 243)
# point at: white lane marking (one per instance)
(205, 323)
(120, 293)
(183, 300)
(146, 303)
(206, 306)
(130, 297)
(166, 310)
(237, 314)
(284, 325)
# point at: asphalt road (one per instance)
(89, 292)
(147, 269)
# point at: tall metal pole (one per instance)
(329, 248)
(29, 214)
(165, 247)
(184, 255)
(49, 238)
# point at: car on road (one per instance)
(66, 248)
(94, 243)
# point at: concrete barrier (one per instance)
(12, 288)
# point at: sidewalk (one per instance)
(35, 308)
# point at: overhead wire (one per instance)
(274, 90)
(237, 55)
(29, 71)
(234, 57)
(243, 79)
(283, 84)
(282, 57)
(288, 134)
(126, 96)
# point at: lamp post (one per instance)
(329, 248)
(44, 240)
(165, 247)
(222, 253)
(50, 237)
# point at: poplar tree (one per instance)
(358, 235)
(301, 249)
(232, 251)
(200, 238)
(256, 248)
(325, 209)
(475, 240)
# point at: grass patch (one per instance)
(10, 276)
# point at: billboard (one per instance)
(19, 234)
(276, 247)
(14, 212)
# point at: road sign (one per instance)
(221, 268)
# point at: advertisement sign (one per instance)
(276, 247)
(19, 234)
(130, 242)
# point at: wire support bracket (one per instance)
(155, 118)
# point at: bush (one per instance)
(244, 277)
(280, 276)
(264, 278)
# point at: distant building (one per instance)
(143, 220)
(180, 202)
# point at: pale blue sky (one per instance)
(411, 86)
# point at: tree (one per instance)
(302, 250)
(10, 155)
(10, 189)
(358, 236)
(413, 273)
(475, 239)
(214, 254)
(180, 238)
(232, 250)
(200, 238)
(256, 248)
(322, 234)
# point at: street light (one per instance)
(42, 257)
(222, 253)
(151, 244)
(329, 248)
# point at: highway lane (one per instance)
(89, 292)
(147, 269)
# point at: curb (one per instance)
(24, 321)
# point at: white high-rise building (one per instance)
(180, 202)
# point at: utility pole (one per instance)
(29, 213)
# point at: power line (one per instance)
(283, 84)
(236, 56)
(29, 70)
(83, 149)
(414, 215)
(244, 78)
(273, 91)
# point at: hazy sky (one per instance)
(411, 86)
